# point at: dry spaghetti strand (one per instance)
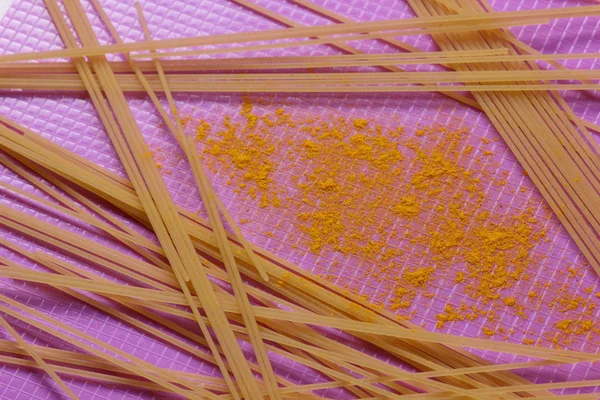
(36, 357)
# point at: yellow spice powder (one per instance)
(363, 191)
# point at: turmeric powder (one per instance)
(412, 206)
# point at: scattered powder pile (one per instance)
(246, 150)
(414, 209)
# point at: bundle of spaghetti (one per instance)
(526, 50)
(36, 357)
(289, 389)
(76, 371)
(303, 317)
(553, 152)
(348, 49)
(446, 58)
(123, 235)
(29, 149)
(112, 226)
(157, 205)
(509, 39)
(60, 267)
(413, 26)
(206, 193)
(332, 15)
(362, 313)
(96, 287)
(37, 277)
(25, 275)
(134, 365)
(78, 295)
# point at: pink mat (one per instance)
(72, 122)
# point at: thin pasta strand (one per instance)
(36, 357)
(340, 85)
(234, 275)
(446, 58)
(335, 40)
(389, 78)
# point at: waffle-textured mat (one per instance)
(412, 200)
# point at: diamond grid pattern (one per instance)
(72, 123)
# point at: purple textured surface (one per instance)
(72, 122)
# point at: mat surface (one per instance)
(552, 285)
